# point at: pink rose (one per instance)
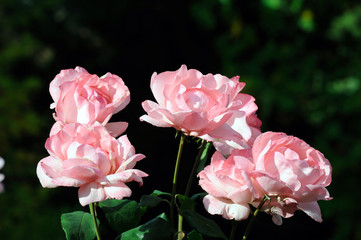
(292, 173)
(87, 156)
(81, 97)
(191, 102)
(229, 185)
(2, 162)
(243, 126)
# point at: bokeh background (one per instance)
(300, 59)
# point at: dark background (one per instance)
(300, 60)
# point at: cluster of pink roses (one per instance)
(248, 165)
(82, 145)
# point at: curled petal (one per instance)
(44, 179)
(90, 193)
(116, 128)
(126, 176)
(117, 191)
(156, 116)
(227, 209)
(311, 209)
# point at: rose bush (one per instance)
(196, 104)
(276, 173)
(85, 98)
(292, 173)
(88, 157)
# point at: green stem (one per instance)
(251, 222)
(175, 176)
(234, 228)
(93, 213)
(180, 226)
(195, 166)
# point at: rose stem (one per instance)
(174, 186)
(202, 151)
(93, 213)
(251, 222)
(234, 228)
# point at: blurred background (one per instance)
(300, 60)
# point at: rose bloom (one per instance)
(243, 126)
(81, 97)
(2, 162)
(193, 103)
(228, 184)
(293, 174)
(88, 157)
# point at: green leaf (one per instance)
(194, 235)
(199, 195)
(78, 225)
(121, 215)
(185, 202)
(203, 225)
(151, 201)
(156, 229)
(160, 193)
(154, 198)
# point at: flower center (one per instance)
(197, 100)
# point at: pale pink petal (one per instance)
(311, 209)
(277, 219)
(211, 183)
(126, 176)
(116, 128)
(53, 169)
(64, 76)
(270, 185)
(81, 170)
(130, 162)
(2, 162)
(285, 170)
(44, 179)
(117, 191)
(91, 193)
(56, 128)
(227, 209)
(156, 116)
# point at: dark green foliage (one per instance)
(203, 225)
(121, 215)
(78, 225)
(156, 229)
